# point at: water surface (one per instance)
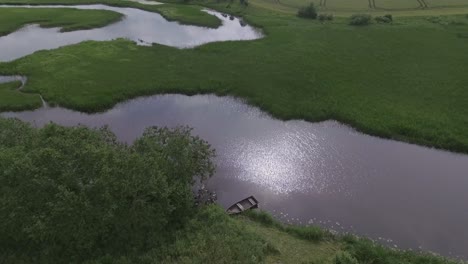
(323, 173)
(143, 27)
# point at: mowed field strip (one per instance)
(346, 7)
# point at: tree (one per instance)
(72, 194)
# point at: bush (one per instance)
(389, 16)
(382, 19)
(324, 17)
(308, 12)
(360, 20)
(75, 194)
(344, 257)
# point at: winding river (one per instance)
(309, 173)
(326, 173)
(143, 27)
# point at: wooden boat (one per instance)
(244, 205)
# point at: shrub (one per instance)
(343, 257)
(389, 16)
(360, 20)
(382, 19)
(308, 12)
(324, 17)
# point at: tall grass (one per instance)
(354, 249)
(310, 233)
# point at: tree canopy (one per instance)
(72, 194)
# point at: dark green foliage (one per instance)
(383, 19)
(76, 194)
(324, 17)
(389, 16)
(344, 257)
(308, 12)
(360, 20)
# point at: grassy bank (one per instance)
(294, 244)
(13, 100)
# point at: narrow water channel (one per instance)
(324, 173)
(143, 27)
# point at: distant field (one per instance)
(403, 7)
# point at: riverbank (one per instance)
(12, 19)
(294, 244)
